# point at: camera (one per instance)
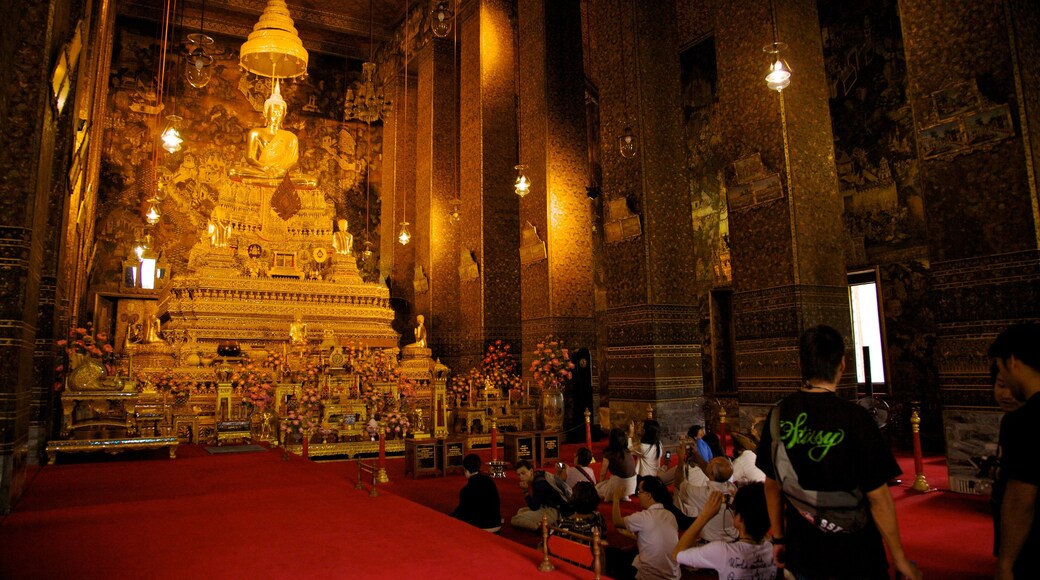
(667, 455)
(560, 465)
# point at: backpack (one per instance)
(835, 512)
(563, 491)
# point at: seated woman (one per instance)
(620, 465)
(586, 516)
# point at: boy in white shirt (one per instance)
(750, 556)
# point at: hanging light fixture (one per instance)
(404, 235)
(367, 103)
(198, 66)
(153, 215)
(522, 185)
(440, 19)
(779, 76)
(627, 141)
(456, 210)
(455, 215)
(171, 136)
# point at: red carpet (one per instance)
(254, 515)
(237, 516)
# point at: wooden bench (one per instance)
(111, 446)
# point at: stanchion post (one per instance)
(546, 565)
(724, 428)
(920, 483)
(588, 431)
(494, 439)
(359, 485)
(382, 477)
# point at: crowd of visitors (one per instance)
(806, 489)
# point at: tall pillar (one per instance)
(653, 339)
(436, 285)
(398, 203)
(488, 261)
(786, 239)
(980, 197)
(555, 217)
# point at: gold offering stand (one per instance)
(109, 414)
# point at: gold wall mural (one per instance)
(216, 121)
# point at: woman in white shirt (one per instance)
(648, 453)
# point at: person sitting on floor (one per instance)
(586, 516)
(691, 498)
(479, 504)
(744, 470)
(620, 464)
(580, 471)
(748, 558)
(654, 530)
(544, 493)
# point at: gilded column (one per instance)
(786, 238)
(653, 339)
(555, 217)
(488, 261)
(436, 274)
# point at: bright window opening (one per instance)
(866, 328)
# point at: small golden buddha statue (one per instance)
(342, 240)
(272, 152)
(298, 331)
(420, 332)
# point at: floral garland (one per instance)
(551, 365)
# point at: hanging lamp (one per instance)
(198, 65)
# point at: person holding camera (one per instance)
(580, 471)
(750, 555)
(692, 496)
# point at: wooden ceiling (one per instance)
(341, 27)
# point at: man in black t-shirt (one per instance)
(1017, 354)
(833, 445)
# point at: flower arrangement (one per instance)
(459, 385)
(303, 420)
(396, 425)
(82, 344)
(501, 367)
(551, 365)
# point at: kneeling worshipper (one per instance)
(478, 500)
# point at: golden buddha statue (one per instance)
(420, 332)
(272, 152)
(342, 240)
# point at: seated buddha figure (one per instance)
(271, 152)
(342, 240)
